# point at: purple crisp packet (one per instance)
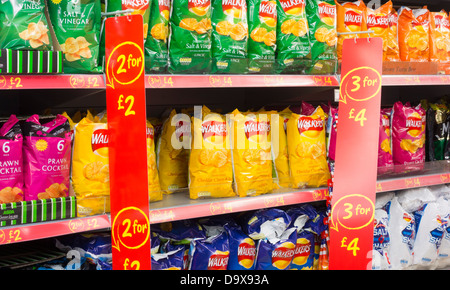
(11, 161)
(47, 156)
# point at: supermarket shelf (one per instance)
(415, 80)
(97, 81)
(178, 206)
(412, 176)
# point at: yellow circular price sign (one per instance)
(130, 229)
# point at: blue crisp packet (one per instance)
(276, 254)
(210, 253)
(242, 248)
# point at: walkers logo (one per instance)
(218, 260)
(302, 251)
(282, 255)
(310, 127)
(213, 128)
(199, 7)
(268, 13)
(252, 128)
(414, 124)
(353, 18)
(380, 21)
(327, 13)
(293, 7)
(182, 129)
(246, 253)
(234, 8)
(100, 142)
(135, 4)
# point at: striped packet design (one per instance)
(34, 211)
(30, 62)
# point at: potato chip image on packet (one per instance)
(322, 22)
(173, 153)
(24, 25)
(90, 167)
(413, 34)
(408, 134)
(252, 153)
(210, 167)
(392, 51)
(307, 149)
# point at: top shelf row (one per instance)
(97, 81)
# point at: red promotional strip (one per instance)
(126, 109)
(355, 180)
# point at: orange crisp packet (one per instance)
(392, 51)
(439, 37)
(307, 149)
(351, 17)
(413, 34)
(378, 22)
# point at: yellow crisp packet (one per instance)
(210, 168)
(154, 189)
(172, 152)
(90, 167)
(307, 150)
(252, 153)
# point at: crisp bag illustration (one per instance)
(262, 25)
(413, 34)
(24, 25)
(210, 167)
(351, 17)
(11, 161)
(172, 155)
(154, 189)
(90, 167)
(439, 37)
(252, 153)
(307, 149)
(378, 22)
(190, 36)
(47, 151)
(384, 148)
(408, 134)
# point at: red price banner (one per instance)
(355, 178)
(126, 109)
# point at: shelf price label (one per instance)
(126, 109)
(355, 177)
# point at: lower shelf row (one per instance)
(411, 231)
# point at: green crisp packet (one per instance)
(77, 28)
(323, 37)
(156, 46)
(190, 37)
(262, 23)
(141, 7)
(293, 47)
(229, 37)
(23, 25)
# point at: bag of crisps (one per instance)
(211, 253)
(136, 7)
(24, 25)
(351, 17)
(408, 134)
(293, 52)
(156, 46)
(154, 189)
(276, 252)
(437, 131)
(46, 153)
(392, 51)
(77, 29)
(307, 149)
(384, 148)
(439, 37)
(11, 158)
(210, 167)
(262, 24)
(413, 34)
(252, 153)
(378, 22)
(242, 248)
(173, 153)
(90, 167)
(323, 37)
(229, 36)
(190, 37)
